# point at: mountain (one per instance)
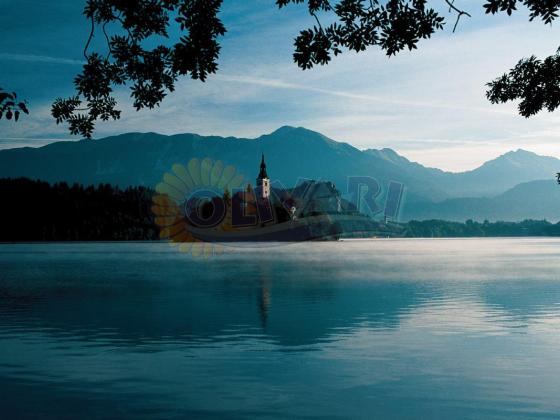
(143, 158)
(492, 178)
(537, 200)
(505, 172)
(291, 154)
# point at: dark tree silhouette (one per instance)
(394, 25)
(536, 83)
(357, 24)
(10, 107)
(151, 70)
(140, 53)
(38, 211)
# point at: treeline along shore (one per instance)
(39, 211)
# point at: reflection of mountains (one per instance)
(290, 305)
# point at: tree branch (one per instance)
(458, 11)
(318, 21)
(108, 41)
(90, 37)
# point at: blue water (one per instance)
(387, 329)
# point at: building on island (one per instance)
(307, 198)
(309, 210)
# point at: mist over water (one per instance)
(394, 329)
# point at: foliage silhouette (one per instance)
(535, 83)
(151, 71)
(394, 25)
(10, 107)
(356, 25)
(38, 211)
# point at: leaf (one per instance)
(16, 115)
(23, 107)
(9, 114)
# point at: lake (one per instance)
(387, 329)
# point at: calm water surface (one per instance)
(388, 329)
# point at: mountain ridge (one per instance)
(292, 153)
(538, 200)
(380, 152)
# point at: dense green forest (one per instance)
(38, 211)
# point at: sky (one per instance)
(429, 104)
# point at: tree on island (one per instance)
(130, 58)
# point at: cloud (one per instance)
(428, 104)
(10, 143)
(280, 84)
(33, 58)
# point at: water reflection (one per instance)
(264, 294)
(399, 329)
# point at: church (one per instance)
(305, 211)
(263, 182)
(308, 198)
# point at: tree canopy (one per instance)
(395, 25)
(151, 71)
(140, 53)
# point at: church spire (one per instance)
(263, 182)
(262, 173)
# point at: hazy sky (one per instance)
(428, 104)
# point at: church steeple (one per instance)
(263, 182)
(262, 173)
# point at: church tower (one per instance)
(263, 182)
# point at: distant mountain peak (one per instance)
(519, 152)
(285, 129)
(519, 157)
(289, 133)
(290, 130)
